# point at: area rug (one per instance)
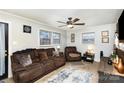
(109, 78)
(71, 75)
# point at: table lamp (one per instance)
(58, 48)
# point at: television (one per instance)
(121, 26)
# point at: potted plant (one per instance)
(113, 55)
(112, 58)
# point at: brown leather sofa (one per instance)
(71, 54)
(39, 66)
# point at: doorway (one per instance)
(3, 50)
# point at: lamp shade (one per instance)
(90, 48)
(58, 47)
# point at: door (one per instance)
(3, 50)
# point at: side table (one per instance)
(88, 57)
(110, 61)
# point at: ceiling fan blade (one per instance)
(62, 25)
(76, 19)
(79, 24)
(61, 22)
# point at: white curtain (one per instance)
(2, 49)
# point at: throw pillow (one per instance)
(43, 56)
(55, 53)
(24, 59)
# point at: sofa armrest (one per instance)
(16, 67)
(19, 69)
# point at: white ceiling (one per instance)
(92, 17)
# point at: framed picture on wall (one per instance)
(72, 37)
(88, 38)
(26, 29)
(105, 36)
(105, 40)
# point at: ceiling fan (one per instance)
(70, 23)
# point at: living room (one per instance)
(25, 29)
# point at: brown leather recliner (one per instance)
(38, 68)
(71, 54)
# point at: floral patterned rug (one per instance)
(71, 75)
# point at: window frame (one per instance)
(57, 39)
(51, 38)
(50, 35)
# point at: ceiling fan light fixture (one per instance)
(70, 23)
(70, 26)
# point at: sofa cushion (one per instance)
(36, 53)
(50, 51)
(70, 49)
(24, 59)
(31, 52)
(43, 56)
(59, 61)
(74, 55)
(49, 65)
(36, 60)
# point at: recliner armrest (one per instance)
(78, 52)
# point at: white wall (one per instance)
(98, 46)
(19, 40)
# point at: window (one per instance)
(48, 38)
(45, 38)
(56, 38)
